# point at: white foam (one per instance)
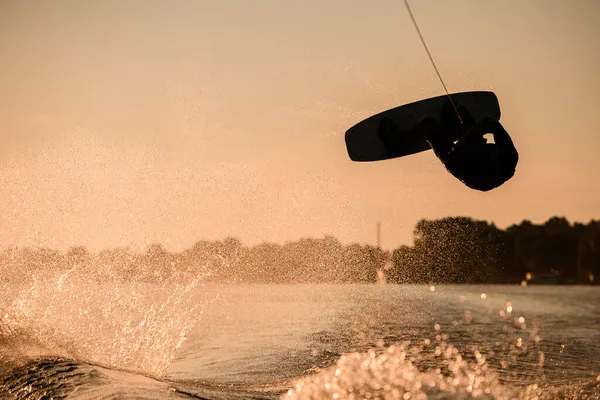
(393, 374)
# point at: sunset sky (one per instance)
(124, 123)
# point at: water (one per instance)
(64, 337)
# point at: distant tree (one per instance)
(159, 264)
(457, 250)
(588, 253)
(526, 239)
(406, 267)
(77, 255)
(119, 263)
(557, 249)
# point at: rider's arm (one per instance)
(501, 137)
(504, 143)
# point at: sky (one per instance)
(126, 123)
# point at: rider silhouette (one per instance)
(475, 162)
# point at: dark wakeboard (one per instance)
(391, 133)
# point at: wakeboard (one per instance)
(391, 133)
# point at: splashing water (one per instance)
(125, 325)
(395, 374)
(90, 316)
(499, 359)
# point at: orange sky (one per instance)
(124, 124)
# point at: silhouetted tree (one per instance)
(447, 250)
(588, 253)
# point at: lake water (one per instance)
(68, 339)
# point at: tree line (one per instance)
(447, 250)
(464, 250)
(323, 260)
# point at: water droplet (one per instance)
(483, 296)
